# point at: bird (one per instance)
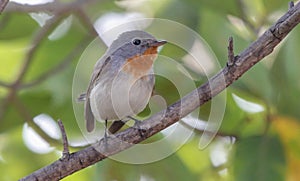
(122, 81)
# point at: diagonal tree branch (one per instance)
(61, 66)
(259, 49)
(3, 4)
(37, 39)
(52, 7)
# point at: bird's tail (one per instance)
(116, 126)
(81, 97)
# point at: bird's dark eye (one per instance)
(136, 41)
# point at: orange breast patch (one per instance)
(140, 65)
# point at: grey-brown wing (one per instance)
(89, 117)
(81, 97)
(88, 114)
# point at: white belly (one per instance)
(118, 98)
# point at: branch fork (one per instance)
(231, 58)
(66, 152)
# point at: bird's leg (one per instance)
(105, 133)
(136, 124)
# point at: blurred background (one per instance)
(41, 42)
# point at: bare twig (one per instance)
(3, 4)
(52, 7)
(65, 153)
(291, 4)
(259, 49)
(60, 9)
(4, 84)
(35, 44)
(81, 14)
(27, 61)
(61, 66)
(85, 20)
(25, 114)
(230, 60)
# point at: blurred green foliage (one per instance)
(267, 143)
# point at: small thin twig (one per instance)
(291, 4)
(35, 44)
(66, 61)
(85, 20)
(4, 84)
(66, 152)
(3, 4)
(254, 53)
(230, 61)
(61, 66)
(55, 7)
(28, 118)
(27, 62)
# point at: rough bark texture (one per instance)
(262, 47)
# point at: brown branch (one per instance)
(291, 4)
(230, 52)
(85, 20)
(75, 6)
(35, 44)
(25, 114)
(4, 84)
(3, 4)
(59, 67)
(52, 7)
(27, 61)
(259, 49)
(65, 153)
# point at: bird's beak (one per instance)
(158, 43)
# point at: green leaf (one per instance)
(272, 5)
(285, 74)
(259, 158)
(36, 103)
(50, 53)
(257, 82)
(16, 25)
(170, 168)
(12, 53)
(185, 13)
(195, 159)
(233, 116)
(217, 6)
(16, 160)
